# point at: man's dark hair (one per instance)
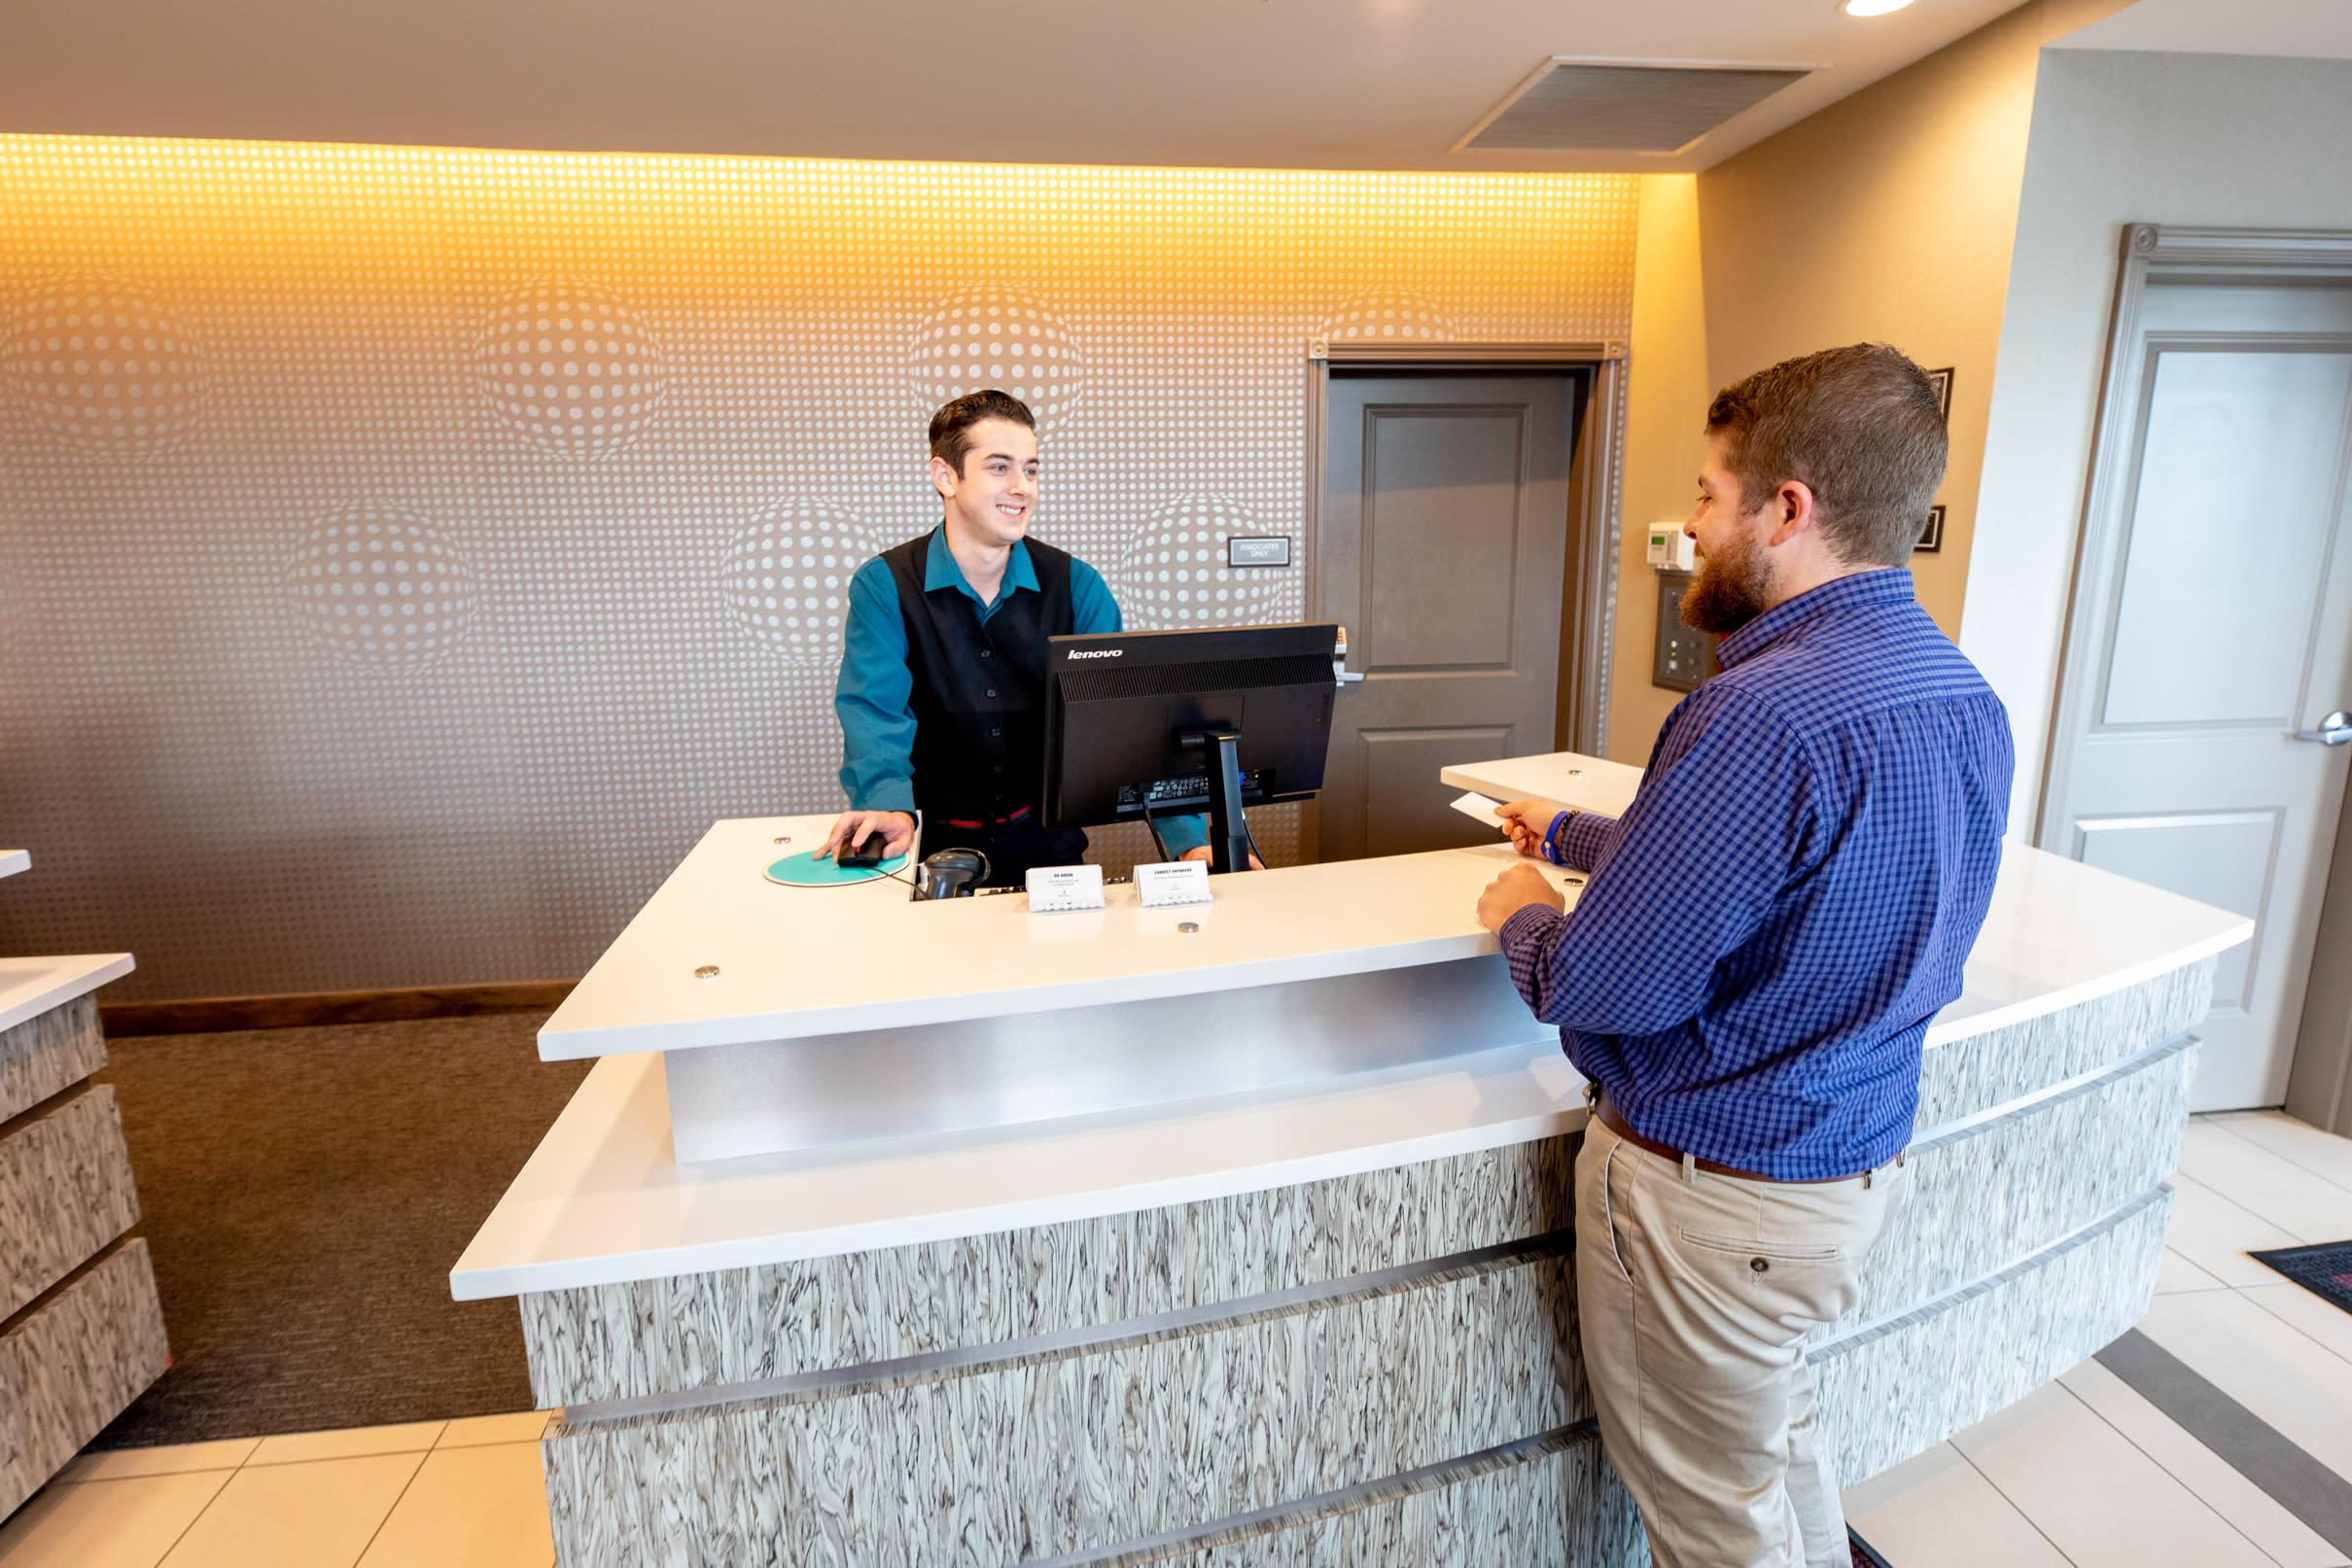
(951, 425)
(1860, 427)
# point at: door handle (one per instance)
(2333, 730)
(1341, 675)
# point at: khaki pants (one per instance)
(1696, 1295)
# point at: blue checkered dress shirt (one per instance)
(1791, 896)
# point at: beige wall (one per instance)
(1887, 216)
(1665, 400)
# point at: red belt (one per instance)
(1002, 821)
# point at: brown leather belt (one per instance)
(1617, 1125)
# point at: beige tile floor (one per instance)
(2085, 1472)
(439, 1494)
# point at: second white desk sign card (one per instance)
(1054, 888)
(1173, 882)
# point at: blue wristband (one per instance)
(1552, 847)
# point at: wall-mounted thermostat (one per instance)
(1274, 551)
(1671, 549)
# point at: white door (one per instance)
(2213, 618)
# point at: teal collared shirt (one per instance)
(941, 571)
(874, 696)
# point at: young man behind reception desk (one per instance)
(1748, 977)
(943, 689)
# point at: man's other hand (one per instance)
(1203, 851)
(1527, 822)
(1513, 890)
(853, 828)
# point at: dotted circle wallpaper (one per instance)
(407, 554)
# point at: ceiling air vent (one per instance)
(1624, 106)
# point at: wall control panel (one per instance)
(1680, 658)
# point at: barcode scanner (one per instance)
(950, 873)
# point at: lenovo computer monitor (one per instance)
(1143, 725)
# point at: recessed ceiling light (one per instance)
(1870, 7)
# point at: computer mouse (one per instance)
(867, 854)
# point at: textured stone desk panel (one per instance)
(73, 1362)
(1562, 1510)
(1895, 1389)
(1965, 1078)
(65, 1191)
(617, 1342)
(1985, 1194)
(1089, 1451)
(48, 1052)
(739, 1325)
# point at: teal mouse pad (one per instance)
(807, 871)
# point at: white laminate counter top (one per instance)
(602, 1201)
(12, 861)
(2057, 933)
(30, 987)
(800, 961)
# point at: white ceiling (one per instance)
(1297, 83)
(2312, 28)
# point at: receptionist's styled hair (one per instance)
(951, 425)
(1860, 427)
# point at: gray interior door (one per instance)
(1441, 543)
(2213, 622)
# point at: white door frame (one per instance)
(2153, 254)
(1588, 626)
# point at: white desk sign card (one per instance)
(1173, 882)
(1054, 888)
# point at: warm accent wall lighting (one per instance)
(476, 531)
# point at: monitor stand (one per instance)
(1228, 829)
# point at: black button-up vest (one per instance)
(979, 689)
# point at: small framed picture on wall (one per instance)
(1931, 538)
(1941, 380)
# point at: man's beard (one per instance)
(1732, 590)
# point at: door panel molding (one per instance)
(1369, 549)
(2155, 346)
(2240, 968)
(1589, 625)
(2151, 254)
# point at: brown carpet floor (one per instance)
(305, 1192)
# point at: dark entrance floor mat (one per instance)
(2325, 1270)
(305, 1192)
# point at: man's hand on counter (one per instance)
(1513, 890)
(853, 827)
(1203, 851)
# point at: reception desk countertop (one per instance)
(605, 1201)
(800, 962)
